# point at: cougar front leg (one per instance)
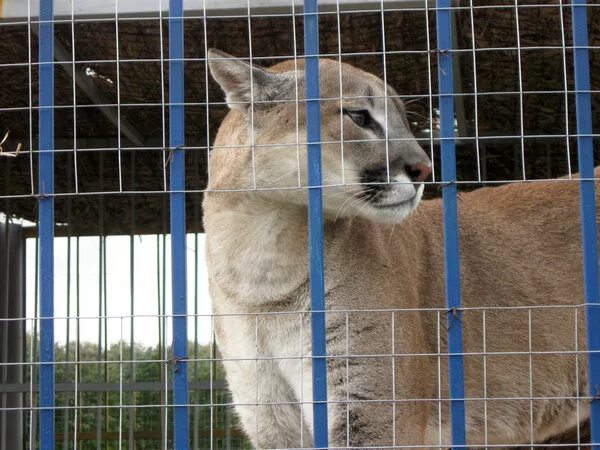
(361, 413)
(371, 394)
(267, 408)
(369, 418)
(360, 426)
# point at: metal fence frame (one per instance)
(444, 47)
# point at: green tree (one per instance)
(123, 390)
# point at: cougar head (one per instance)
(372, 164)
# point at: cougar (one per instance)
(520, 266)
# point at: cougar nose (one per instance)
(418, 172)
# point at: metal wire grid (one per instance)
(173, 157)
(476, 139)
(121, 387)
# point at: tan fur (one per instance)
(519, 246)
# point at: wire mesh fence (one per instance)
(108, 117)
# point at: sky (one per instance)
(118, 295)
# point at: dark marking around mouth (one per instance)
(374, 182)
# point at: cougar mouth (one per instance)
(385, 190)
(390, 199)
(393, 205)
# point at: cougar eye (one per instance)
(360, 117)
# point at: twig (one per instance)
(9, 154)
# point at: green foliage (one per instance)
(122, 392)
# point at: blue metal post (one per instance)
(585, 153)
(450, 217)
(178, 252)
(315, 223)
(46, 223)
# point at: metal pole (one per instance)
(450, 218)
(178, 237)
(315, 223)
(587, 203)
(46, 223)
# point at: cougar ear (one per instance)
(244, 84)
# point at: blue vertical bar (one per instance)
(178, 253)
(315, 223)
(585, 153)
(450, 217)
(46, 223)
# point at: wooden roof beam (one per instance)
(96, 95)
(11, 10)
